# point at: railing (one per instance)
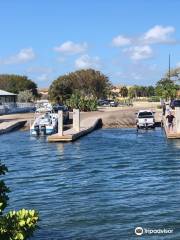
(8, 108)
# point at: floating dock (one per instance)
(10, 126)
(173, 134)
(86, 126)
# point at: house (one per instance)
(178, 94)
(116, 90)
(9, 104)
(7, 98)
(43, 92)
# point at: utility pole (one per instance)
(169, 66)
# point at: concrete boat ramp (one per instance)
(86, 126)
(10, 126)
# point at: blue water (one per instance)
(99, 187)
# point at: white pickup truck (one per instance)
(145, 119)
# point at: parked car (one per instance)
(100, 102)
(113, 104)
(145, 119)
(175, 103)
(103, 102)
(106, 102)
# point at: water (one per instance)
(99, 187)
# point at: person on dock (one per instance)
(164, 108)
(170, 118)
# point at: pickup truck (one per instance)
(145, 119)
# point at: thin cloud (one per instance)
(43, 77)
(23, 56)
(85, 61)
(120, 41)
(71, 48)
(178, 65)
(156, 35)
(159, 34)
(137, 72)
(40, 73)
(39, 69)
(137, 53)
(140, 46)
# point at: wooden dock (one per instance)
(86, 126)
(170, 134)
(6, 127)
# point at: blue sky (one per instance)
(127, 40)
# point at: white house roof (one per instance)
(4, 93)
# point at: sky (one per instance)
(127, 40)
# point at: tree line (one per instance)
(93, 84)
(137, 91)
(17, 83)
(164, 88)
(89, 84)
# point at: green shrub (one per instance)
(159, 107)
(15, 225)
(154, 99)
(82, 103)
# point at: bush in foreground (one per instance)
(15, 225)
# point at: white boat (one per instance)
(43, 106)
(45, 124)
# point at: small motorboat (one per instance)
(45, 124)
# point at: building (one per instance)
(178, 94)
(44, 93)
(7, 98)
(9, 104)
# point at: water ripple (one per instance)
(101, 186)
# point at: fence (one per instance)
(8, 108)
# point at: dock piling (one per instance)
(60, 123)
(76, 120)
(30, 126)
(177, 118)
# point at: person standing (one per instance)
(164, 108)
(170, 118)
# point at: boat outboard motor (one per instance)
(37, 130)
(43, 129)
